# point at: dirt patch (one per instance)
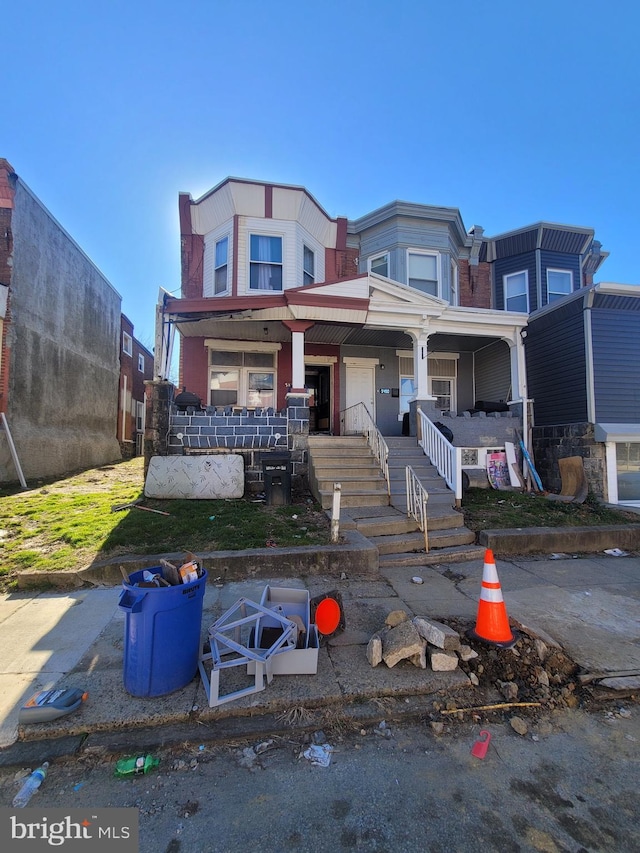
(530, 672)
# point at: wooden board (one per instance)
(515, 476)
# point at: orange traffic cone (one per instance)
(492, 622)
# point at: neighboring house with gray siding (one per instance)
(60, 353)
(583, 357)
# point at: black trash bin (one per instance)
(276, 472)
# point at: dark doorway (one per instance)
(317, 379)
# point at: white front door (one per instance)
(361, 388)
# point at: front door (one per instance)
(361, 388)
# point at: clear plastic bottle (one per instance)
(30, 786)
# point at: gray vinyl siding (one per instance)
(513, 264)
(616, 364)
(558, 261)
(556, 366)
(399, 234)
(493, 373)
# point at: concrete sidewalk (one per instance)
(589, 605)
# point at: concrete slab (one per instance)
(436, 596)
(574, 573)
(600, 631)
(356, 675)
(44, 637)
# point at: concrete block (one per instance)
(400, 643)
(442, 661)
(437, 634)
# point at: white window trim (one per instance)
(226, 237)
(432, 254)
(258, 232)
(243, 372)
(377, 257)
(526, 287)
(127, 344)
(140, 363)
(566, 272)
(454, 284)
(243, 381)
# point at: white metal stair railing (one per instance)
(356, 420)
(446, 458)
(417, 497)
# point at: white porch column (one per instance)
(518, 368)
(420, 370)
(297, 329)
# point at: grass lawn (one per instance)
(489, 509)
(69, 523)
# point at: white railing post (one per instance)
(335, 512)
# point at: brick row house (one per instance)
(399, 308)
(136, 368)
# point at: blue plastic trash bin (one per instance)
(161, 634)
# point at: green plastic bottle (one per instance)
(135, 766)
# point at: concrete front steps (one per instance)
(346, 460)
(383, 519)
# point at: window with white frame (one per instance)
(422, 271)
(221, 267)
(139, 416)
(407, 382)
(308, 265)
(379, 264)
(559, 284)
(127, 343)
(265, 262)
(442, 374)
(242, 379)
(516, 291)
(140, 362)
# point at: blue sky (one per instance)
(512, 112)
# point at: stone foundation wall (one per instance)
(249, 432)
(551, 443)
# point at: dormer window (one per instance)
(265, 262)
(308, 266)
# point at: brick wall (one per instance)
(475, 285)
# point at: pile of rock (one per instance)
(423, 642)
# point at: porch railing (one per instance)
(356, 420)
(417, 497)
(446, 458)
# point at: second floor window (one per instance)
(559, 284)
(127, 344)
(140, 362)
(516, 291)
(265, 262)
(221, 266)
(380, 265)
(308, 266)
(423, 272)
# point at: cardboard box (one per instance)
(289, 603)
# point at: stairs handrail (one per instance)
(446, 458)
(357, 419)
(417, 497)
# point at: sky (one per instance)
(512, 112)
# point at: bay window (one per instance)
(220, 277)
(265, 262)
(516, 291)
(422, 272)
(559, 284)
(308, 266)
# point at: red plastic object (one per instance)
(327, 616)
(480, 747)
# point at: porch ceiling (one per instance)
(326, 333)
